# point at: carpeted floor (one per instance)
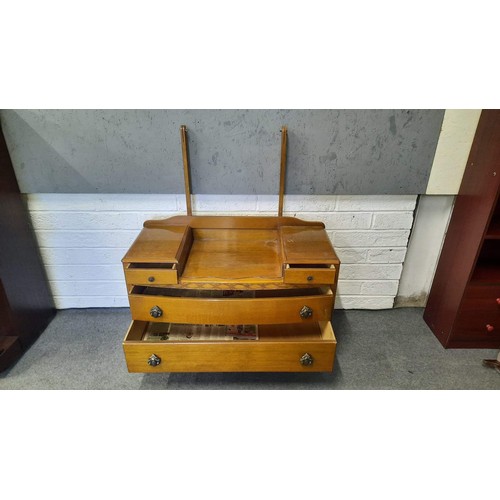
(392, 349)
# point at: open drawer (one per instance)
(147, 273)
(308, 347)
(310, 273)
(181, 305)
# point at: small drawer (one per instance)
(311, 274)
(279, 348)
(177, 305)
(150, 273)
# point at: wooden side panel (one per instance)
(164, 244)
(471, 214)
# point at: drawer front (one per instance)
(478, 321)
(150, 275)
(232, 311)
(310, 275)
(280, 355)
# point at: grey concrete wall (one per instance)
(232, 151)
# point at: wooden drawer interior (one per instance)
(278, 348)
(210, 293)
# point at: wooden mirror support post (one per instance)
(187, 175)
(284, 138)
(185, 162)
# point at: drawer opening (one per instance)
(152, 265)
(309, 266)
(228, 294)
(168, 333)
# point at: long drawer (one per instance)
(263, 307)
(280, 348)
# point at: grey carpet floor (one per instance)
(391, 349)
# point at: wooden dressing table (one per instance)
(218, 294)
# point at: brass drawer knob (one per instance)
(310, 278)
(306, 312)
(306, 359)
(156, 312)
(154, 360)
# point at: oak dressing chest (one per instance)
(231, 293)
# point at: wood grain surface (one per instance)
(269, 310)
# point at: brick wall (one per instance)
(83, 237)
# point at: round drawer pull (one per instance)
(498, 301)
(156, 312)
(306, 312)
(310, 278)
(154, 360)
(151, 279)
(490, 328)
(306, 359)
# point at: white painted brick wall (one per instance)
(83, 237)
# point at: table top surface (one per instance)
(232, 253)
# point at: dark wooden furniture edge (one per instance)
(464, 235)
(26, 303)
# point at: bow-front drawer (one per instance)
(280, 348)
(178, 305)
